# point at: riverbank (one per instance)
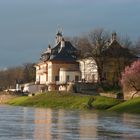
(66, 101)
(130, 106)
(77, 101)
(4, 98)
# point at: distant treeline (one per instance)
(19, 74)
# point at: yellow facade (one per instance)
(112, 69)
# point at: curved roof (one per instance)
(116, 50)
(67, 52)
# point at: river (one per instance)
(22, 123)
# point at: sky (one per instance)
(28, 26)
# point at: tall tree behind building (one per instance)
(29, 73)
(92, 45)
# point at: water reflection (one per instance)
(58, 124)
(88, 125)
(43, 124)
(133, 126)
(47, 124)
(119, 126)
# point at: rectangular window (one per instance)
(67, 78)
(56, 78)
(76, 78)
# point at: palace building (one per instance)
(58, 65)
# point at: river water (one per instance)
(22, 123)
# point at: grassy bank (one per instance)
(65, 100)
(77, 101)
(130, 106)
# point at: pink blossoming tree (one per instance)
(131, 78)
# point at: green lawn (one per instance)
(65, 100)
(130, 106)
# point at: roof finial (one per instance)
(59, 30)
(114, 36)
(59, 35)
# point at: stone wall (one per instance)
(112, 95)
(85, 88)
(92, 89)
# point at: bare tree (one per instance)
(8, 77)
(136, 48)
(98, 39)
(28, 72)
(92, 45)
(126, 42)
(22, 74)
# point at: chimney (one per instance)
(114, 37)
